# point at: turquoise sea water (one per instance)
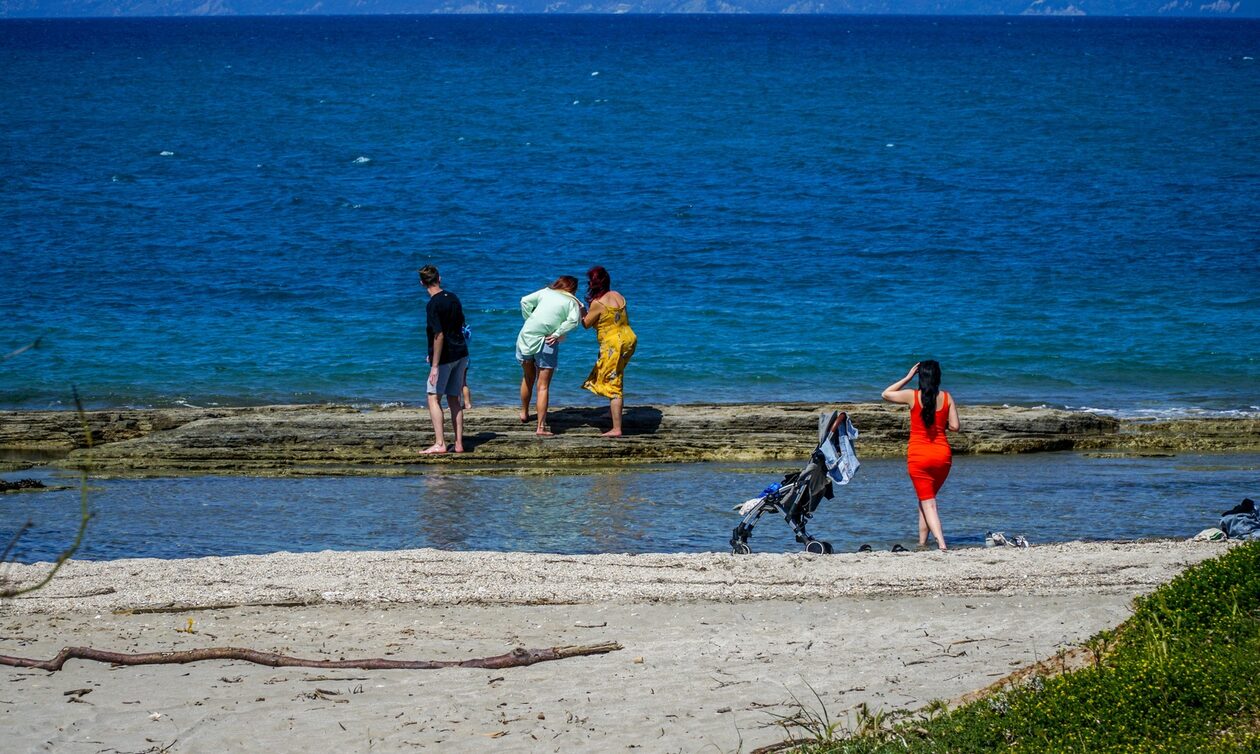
(232, 211)
(228, 211)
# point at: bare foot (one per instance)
(612, 433)
(433, 450)
(544, 432)
(459, 447)
(523, 417)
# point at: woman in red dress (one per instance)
(928, 457)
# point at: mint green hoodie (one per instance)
(546, 312)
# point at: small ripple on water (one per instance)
(685, 508)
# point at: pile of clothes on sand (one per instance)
(1240, 522)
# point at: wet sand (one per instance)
(714, 647)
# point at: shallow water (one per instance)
(1049, 497)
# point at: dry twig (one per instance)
(518, 657)
(85, 515)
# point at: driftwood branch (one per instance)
(518, 657)
(213, 606)
(85, 515)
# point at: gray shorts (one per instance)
(450, 378)
(547, 358)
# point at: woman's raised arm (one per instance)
(894, 393)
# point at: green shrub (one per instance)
(1181, 675)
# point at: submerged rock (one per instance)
(22, 485)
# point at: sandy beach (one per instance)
(714, 647)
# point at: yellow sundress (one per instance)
(616, 346)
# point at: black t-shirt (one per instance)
(445, 315)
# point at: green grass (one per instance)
(1181, 675)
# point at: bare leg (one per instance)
(614, 410)
(457, 419)
(529, 373)
(923, 529)
(927, 509)
(467, 397)
(544, 397)
(435, 414)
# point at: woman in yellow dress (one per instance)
(607, 314)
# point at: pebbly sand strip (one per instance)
(436, 577)
(715, 646)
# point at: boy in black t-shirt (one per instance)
(448, 358)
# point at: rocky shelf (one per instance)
(331, 439)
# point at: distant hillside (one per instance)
(69, 8)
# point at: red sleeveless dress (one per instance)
(929, 456)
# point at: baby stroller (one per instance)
(800, 492)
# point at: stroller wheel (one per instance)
(741, 548)
(817, 546)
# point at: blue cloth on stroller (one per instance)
(837, 450)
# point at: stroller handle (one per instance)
(835, 425)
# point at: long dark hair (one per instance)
(929, 388)
(597, 283)
(566, 283)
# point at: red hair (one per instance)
(597, 283)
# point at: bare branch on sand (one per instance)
(518, 657)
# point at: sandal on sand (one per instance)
(899, 548)
(864, 548)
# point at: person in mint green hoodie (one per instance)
(549, 314)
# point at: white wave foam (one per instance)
(166, 153)
(362, 160)
(1172, 412)
(365, 407)
(1154, 414)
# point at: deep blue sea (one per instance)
(232, 211)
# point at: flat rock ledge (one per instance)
(439, 578)
(332, 439)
